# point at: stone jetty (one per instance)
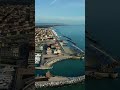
(68, 81)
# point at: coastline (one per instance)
(50, 62)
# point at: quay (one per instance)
(51, 61)
(67, 81)
(56, 59)
(43, 68)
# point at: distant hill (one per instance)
(49, 24)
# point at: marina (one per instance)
(57, 50)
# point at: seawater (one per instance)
(69, 68)
(108, 40)
(66, 68)
(103, 84)
(75, 32)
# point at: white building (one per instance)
(49, 51)
(37, 58)
(57, 51)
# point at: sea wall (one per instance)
(51, 62)
(71, 80)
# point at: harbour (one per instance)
(50, 61)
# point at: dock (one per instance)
(43, 68)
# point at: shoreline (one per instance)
(49, 62)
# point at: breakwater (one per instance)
(70, 80)
(51, 61)
(56, 59)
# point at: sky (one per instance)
(60, 11)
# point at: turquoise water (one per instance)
(69, 67)
(76, 33)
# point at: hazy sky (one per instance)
(60, 11)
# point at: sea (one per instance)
(108, 39)
(69, 68)
(103, 84)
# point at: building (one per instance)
(37, 58)
(49, 51)
(48, 74)
(6, 77)
(31, 58)
(16, 36)
(58, 52)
